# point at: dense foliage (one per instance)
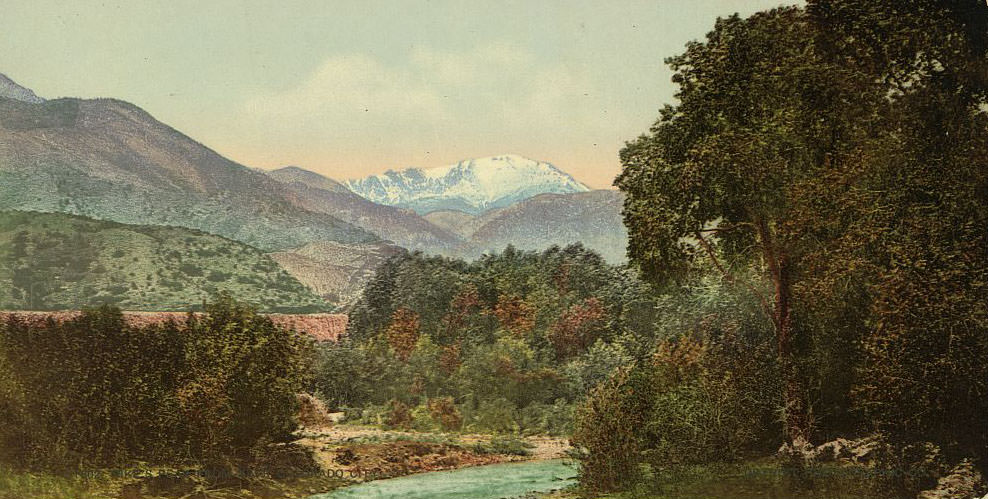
(829, 165)
(507, 343)
(95, 391)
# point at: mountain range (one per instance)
(109, 160)
(400, 226)
(534, 222)
(472, 186)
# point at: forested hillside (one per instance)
(54, 261)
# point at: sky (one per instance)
(353, 88)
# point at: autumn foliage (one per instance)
(515, 315)
(577, 328)
(403, 333)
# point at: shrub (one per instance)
(94, 391)
(399, 415)
(607, 427)
(445, 413)
(497, 416)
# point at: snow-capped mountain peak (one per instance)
(473, 186)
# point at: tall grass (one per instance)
(18, 485)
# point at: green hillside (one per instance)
(57, 261)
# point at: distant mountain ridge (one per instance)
(111, 160)
(535, 223)
(401, 226)
(472, 186)
(592, 218)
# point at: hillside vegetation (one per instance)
(55, 261)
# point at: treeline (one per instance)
(826, 166)
(95, 392)
(509, 343)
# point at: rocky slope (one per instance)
(11, 90)
(337, 272)
(460, 223)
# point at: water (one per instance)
(493, 481)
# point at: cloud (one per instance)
(496, 96)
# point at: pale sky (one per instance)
(351, 88)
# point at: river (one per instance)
(493, 481)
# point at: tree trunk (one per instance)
(796, 421)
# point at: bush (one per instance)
(445, 413)
(94, 391)
(693, 402)
(399, 415)
(497, 416)
(607, 427)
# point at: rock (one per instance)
(345, 457)
(963, 482)
(282, 461)
(800, 450)
(832, 451)
(866, 450)
(859, 451)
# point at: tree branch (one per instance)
(730, 278)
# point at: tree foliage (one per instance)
(831, 163)
(508, 335)
(95, 391)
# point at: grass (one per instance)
(764, 478)
(18, 485)
(104, 484)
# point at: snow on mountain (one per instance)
(11, 90)
(472, 186)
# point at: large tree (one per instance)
(841, 152)
(723, 173)
(906, 218)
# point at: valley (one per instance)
(497, 250)
(102, 160)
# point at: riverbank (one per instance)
(345, 454)
(365, 453)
